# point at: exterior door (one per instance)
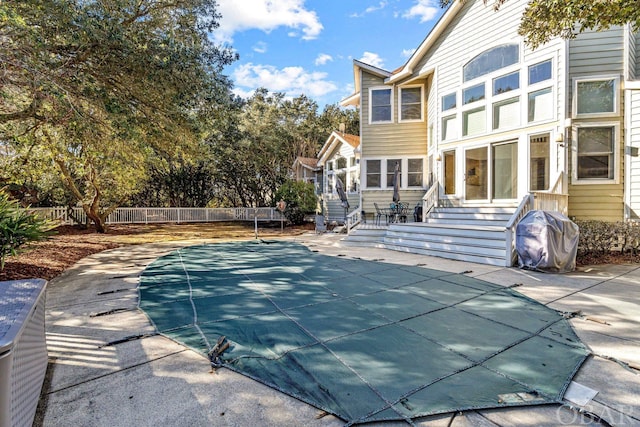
(504, 166)
(491, 172)
(476, 176)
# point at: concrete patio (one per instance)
(149, 380)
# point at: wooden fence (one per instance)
(160, 215)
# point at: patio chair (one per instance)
(398, 211)
(380, 213)
(403, 209)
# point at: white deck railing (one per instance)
(552, 200)
(353, 219)
(160, 215)
(525, 206)
(430, 200)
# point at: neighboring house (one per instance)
(306, 169)
(340, 158)
(490, 121)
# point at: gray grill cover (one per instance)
(547, 241)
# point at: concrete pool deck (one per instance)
(154, 381)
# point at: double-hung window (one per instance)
(381, 105)
(414, 172)
(595, 157)
(391, 167)
(411, 104)
(373, 174)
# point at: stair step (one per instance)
(480, 259)
(456, 247)
(450, 229)
(473, 222)
(470, 210)
(496, 241)
(471, 216)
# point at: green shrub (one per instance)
(18, 227)
(600, 237)
(300, 198)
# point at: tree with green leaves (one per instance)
(99, 86)
(545, 19)
(300, 198)
(254, 147)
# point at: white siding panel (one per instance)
(634, 155)
(476, 28)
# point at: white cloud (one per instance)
(407, 52)
(370, 9)
(260, 47)
(266, 15)
(323, 58)
(372, 59)
(293, 81)
(426, 10)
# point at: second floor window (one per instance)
(595, 97)
(381, 105)
(411, 103)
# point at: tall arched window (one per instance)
(491, 60)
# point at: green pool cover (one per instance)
(364, 340)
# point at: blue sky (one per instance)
(308, 46)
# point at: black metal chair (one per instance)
(379, 214)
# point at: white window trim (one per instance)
(364, 172)
(453, 116)
(405, 172)
(537, 88)
(542, 82)
(519, 41)
(456, 94)
(616, 96)
(503, 101)
(552, 171)
(474, 103)
(488, 114)
(616, 154)
(421, 119)
(441, 173)
(404, 164)
(381, 122)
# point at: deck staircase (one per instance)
(476, 234)
(334, 212)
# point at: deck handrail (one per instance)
(525, 206)
(353, 219)
(430, 200)
(552, 200)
